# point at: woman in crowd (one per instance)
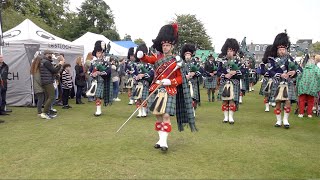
(37, 88)
(80, 80)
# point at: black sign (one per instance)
(12, 34)
(45, 35)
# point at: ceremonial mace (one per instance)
(179, 64)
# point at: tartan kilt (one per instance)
(236, 88)
(195, 89)
(292, 95)
(252, 78)
(170, 107)
(263, 86)
(100, 88)
(145, 91)
(210, 82)
(274, 88)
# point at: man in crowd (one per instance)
(4, 70)
(48, 72)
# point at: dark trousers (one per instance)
(40, 97)
(3, 99)
(65, 96)
(79, 93)
(115, 89)
(50, 95)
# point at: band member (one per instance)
(210, 83)
(173, 96)
(192, 73)
(101, 72)
(267, 81)
(285, 69)
(252, 75)
(143, 76)
(130, 68)
(230, 72)
(244, 80)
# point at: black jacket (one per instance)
(80, 76)
(48, 71)
(4, 71)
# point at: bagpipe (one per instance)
(102, 67)
(305, 53)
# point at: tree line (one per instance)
(94, 16)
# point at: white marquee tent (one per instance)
(88, 40)
(21, 43)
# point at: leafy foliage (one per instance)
(191, 30)
(55, 17)
(315, 47)
(139, 41)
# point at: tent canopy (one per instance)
(89, 39)
(21, 44)
(126, 44)
(28, 32)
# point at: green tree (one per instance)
(96, 14)
(139, 41)
(51, 11)
(127, 37)
(191, 30)
(315, 47)
(111, 34)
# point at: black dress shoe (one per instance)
(164, 149)
(277, 125)
(231, 123)
(69, 106)
(157, 146)
(286, 126)
(96, 115)
(65, 107)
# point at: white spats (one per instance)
(267, 107)
(240, 99)
(98, 112)
(160, 138)
(144, 112)
(286, 119)
(139, 113)
(279, 120)
(226, 116)
(231, 120)
(164, 139)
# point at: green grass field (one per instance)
(77, 145)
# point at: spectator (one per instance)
(308, 85)
(59, 90)
(87, 73)
(4, 70)
(66, 85)
(80, 79)
(37, 88)
(317, 59)
(47, 73)
(122, 74)
(115, 79)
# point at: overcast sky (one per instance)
(259, 20)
